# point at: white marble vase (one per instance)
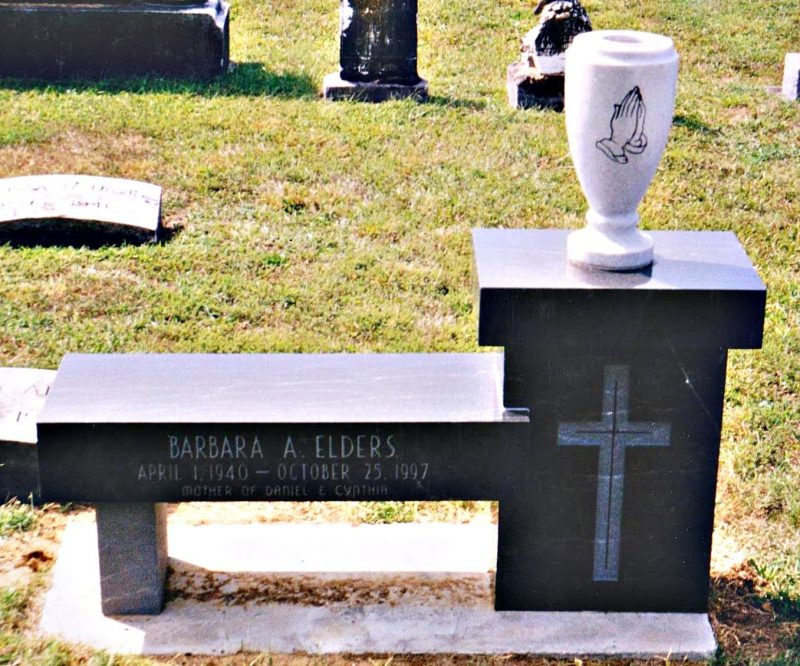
(619, 99)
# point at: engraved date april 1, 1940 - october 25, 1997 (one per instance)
(289, 466)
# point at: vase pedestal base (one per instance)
(617, 250)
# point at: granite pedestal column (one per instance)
(132, 548)
(624, 375)
(378, 52)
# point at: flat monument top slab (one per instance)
(22, 395)
(535, 259)
(276, 388)
(95, 198)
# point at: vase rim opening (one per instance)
(625, 39)
(625, 43)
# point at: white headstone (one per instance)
(791, 76)
(22, 395)
(117, 201)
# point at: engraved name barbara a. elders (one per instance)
(338, 465)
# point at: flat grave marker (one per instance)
(52, 207)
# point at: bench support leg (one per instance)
(132, 544)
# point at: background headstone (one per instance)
(536, 80)
(22, 395)
(378, 52)
(791, 76)
(174, 38)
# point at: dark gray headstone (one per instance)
(624, 376)
(22, 396)
(49, 40)
(378, 52)
(53, 208)
(379, 41)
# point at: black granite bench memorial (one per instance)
(597, 430)
(129, 431)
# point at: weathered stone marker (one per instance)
(22, 395)
(378, 52)
(44, 39)
(52, 206)
(536, 79)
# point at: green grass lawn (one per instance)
(303, 225)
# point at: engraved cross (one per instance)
(612, 434)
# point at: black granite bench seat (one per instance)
(172, 427)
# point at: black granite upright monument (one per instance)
(624, 375)
(378, 52)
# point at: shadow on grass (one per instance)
(246, 79)
(693, 124)
(80, 234)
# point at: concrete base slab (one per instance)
(443, 602)
(334, 88)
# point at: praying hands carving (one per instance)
(627, 129)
